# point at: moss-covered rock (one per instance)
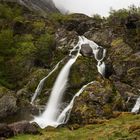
(119, 50)
(98, 101)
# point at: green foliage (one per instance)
(97, 17)
(20, 53)
(25, 52)
(8, 13)
(39, 24)
(117, 16)
(122, 13)
(45, 47)
(7, 50)
(6, 42)
(57, 17)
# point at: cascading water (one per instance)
(41, 83)
(64, 116)
(136, 107)
(52, 116)
(52, 110)
(96, 50)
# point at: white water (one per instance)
(95, 49)
(64, 116)
(41, 83)
(136, 108)
(52, 116)
(52, 110)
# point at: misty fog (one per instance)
(91, 7)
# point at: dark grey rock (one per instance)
(5, 131)
(8, 105)
(23, 127)
(86, 50)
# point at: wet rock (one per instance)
(5, 131)
(108, 70)
(23, 127)
(86, 50)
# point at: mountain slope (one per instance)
(43, 6)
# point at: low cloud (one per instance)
(91, 7)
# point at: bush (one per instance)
(45, 48)
(6, 43)
(57, 17)
(8, 13)
(119, 16)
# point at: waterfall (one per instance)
(136, 107)
(52, 110)
(41, 83)
(64, 116)
(52, 116)
(96, 49)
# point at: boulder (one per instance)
(108, 70)
(98, 101)
(8, 106)
(23, 127)
(5, 131)
(86, 50)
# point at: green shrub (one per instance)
(6, 12)
(45, 47)
(6, 42)
(119, 16)
(57, 17)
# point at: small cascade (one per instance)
(53, 116)
(64, 116)
(41, 83)
(136, 108)
(52, 110)
(99, 54)
(101, 68)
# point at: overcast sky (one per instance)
(91, 7)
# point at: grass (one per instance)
(125, 127)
